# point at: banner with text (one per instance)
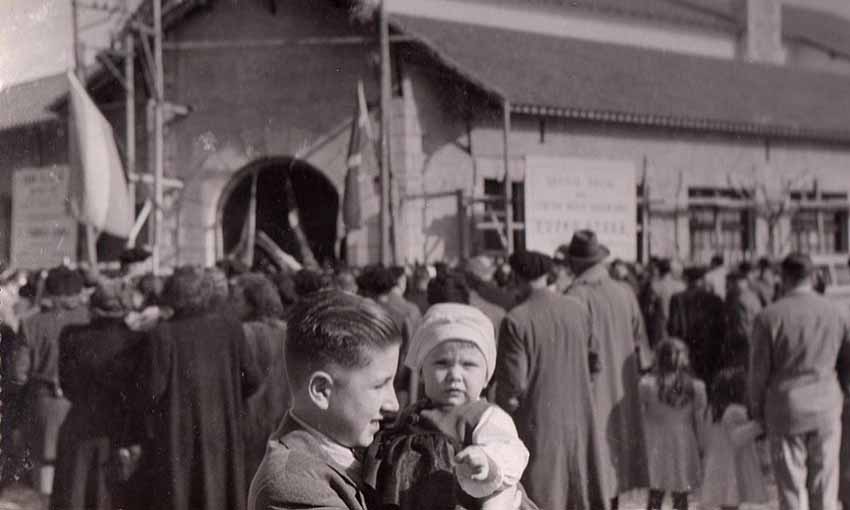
(43, 231)
(563, 195)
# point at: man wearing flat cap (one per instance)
(621, 343)
(543, 379)
(799, 355)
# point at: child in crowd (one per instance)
(453, 439)
(674, 402)
(732, 469)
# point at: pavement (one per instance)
(21, 497)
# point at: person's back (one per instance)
(801, 336)
(799, 345)
(620, 338)
(201, 374)
(543, 380)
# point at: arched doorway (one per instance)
(315, 195)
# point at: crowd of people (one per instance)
(533, 381)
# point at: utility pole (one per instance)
(159, 94)
(386, 98)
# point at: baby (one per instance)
(454, 351)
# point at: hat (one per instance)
(530, 265)
(585, 248)
(481, 266)
(133, 255)
(63, 281)
(798, 265)
(453, 321)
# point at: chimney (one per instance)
(762, 39)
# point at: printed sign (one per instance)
(43, 232)
(563, 195)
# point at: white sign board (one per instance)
(43, 232)
(563, 195)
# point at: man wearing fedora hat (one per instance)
(543, 379)
(621, 343)
(799, 356)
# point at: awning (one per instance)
(543, 75)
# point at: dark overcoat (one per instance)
(265, 409)
(619, 338)
(199, 372)
(99, 369)
(543, 380)
(696, 317)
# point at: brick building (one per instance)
(735, 116)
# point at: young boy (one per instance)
(341, 356)
(454, 350)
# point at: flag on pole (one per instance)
(361, 135)
(98, 192)
(244, 251)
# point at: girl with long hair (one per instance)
(673, 402)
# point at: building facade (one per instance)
(736, 121)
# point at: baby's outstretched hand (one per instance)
(473, 463)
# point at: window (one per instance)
(721, 221)
(491, 238)
(819, 222)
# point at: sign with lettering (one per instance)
(563, 195)
(43, 232)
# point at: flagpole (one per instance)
(386, 97)
(91, 233)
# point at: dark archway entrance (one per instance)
(315, 195)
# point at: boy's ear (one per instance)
(319, 388)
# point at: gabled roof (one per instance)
(32, 102)
(588, 80)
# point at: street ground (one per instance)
(21, 497)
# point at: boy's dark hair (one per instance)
(448, 287)
(332, 327)
(729, 387)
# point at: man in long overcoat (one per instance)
(543, 380)
(620, 338)
(199, 371)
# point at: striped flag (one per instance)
(98, 190)
(361, 136)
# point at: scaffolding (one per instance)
(141, 38)
(149, 37)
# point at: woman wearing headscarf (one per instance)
(198, 373)
(99, 366)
